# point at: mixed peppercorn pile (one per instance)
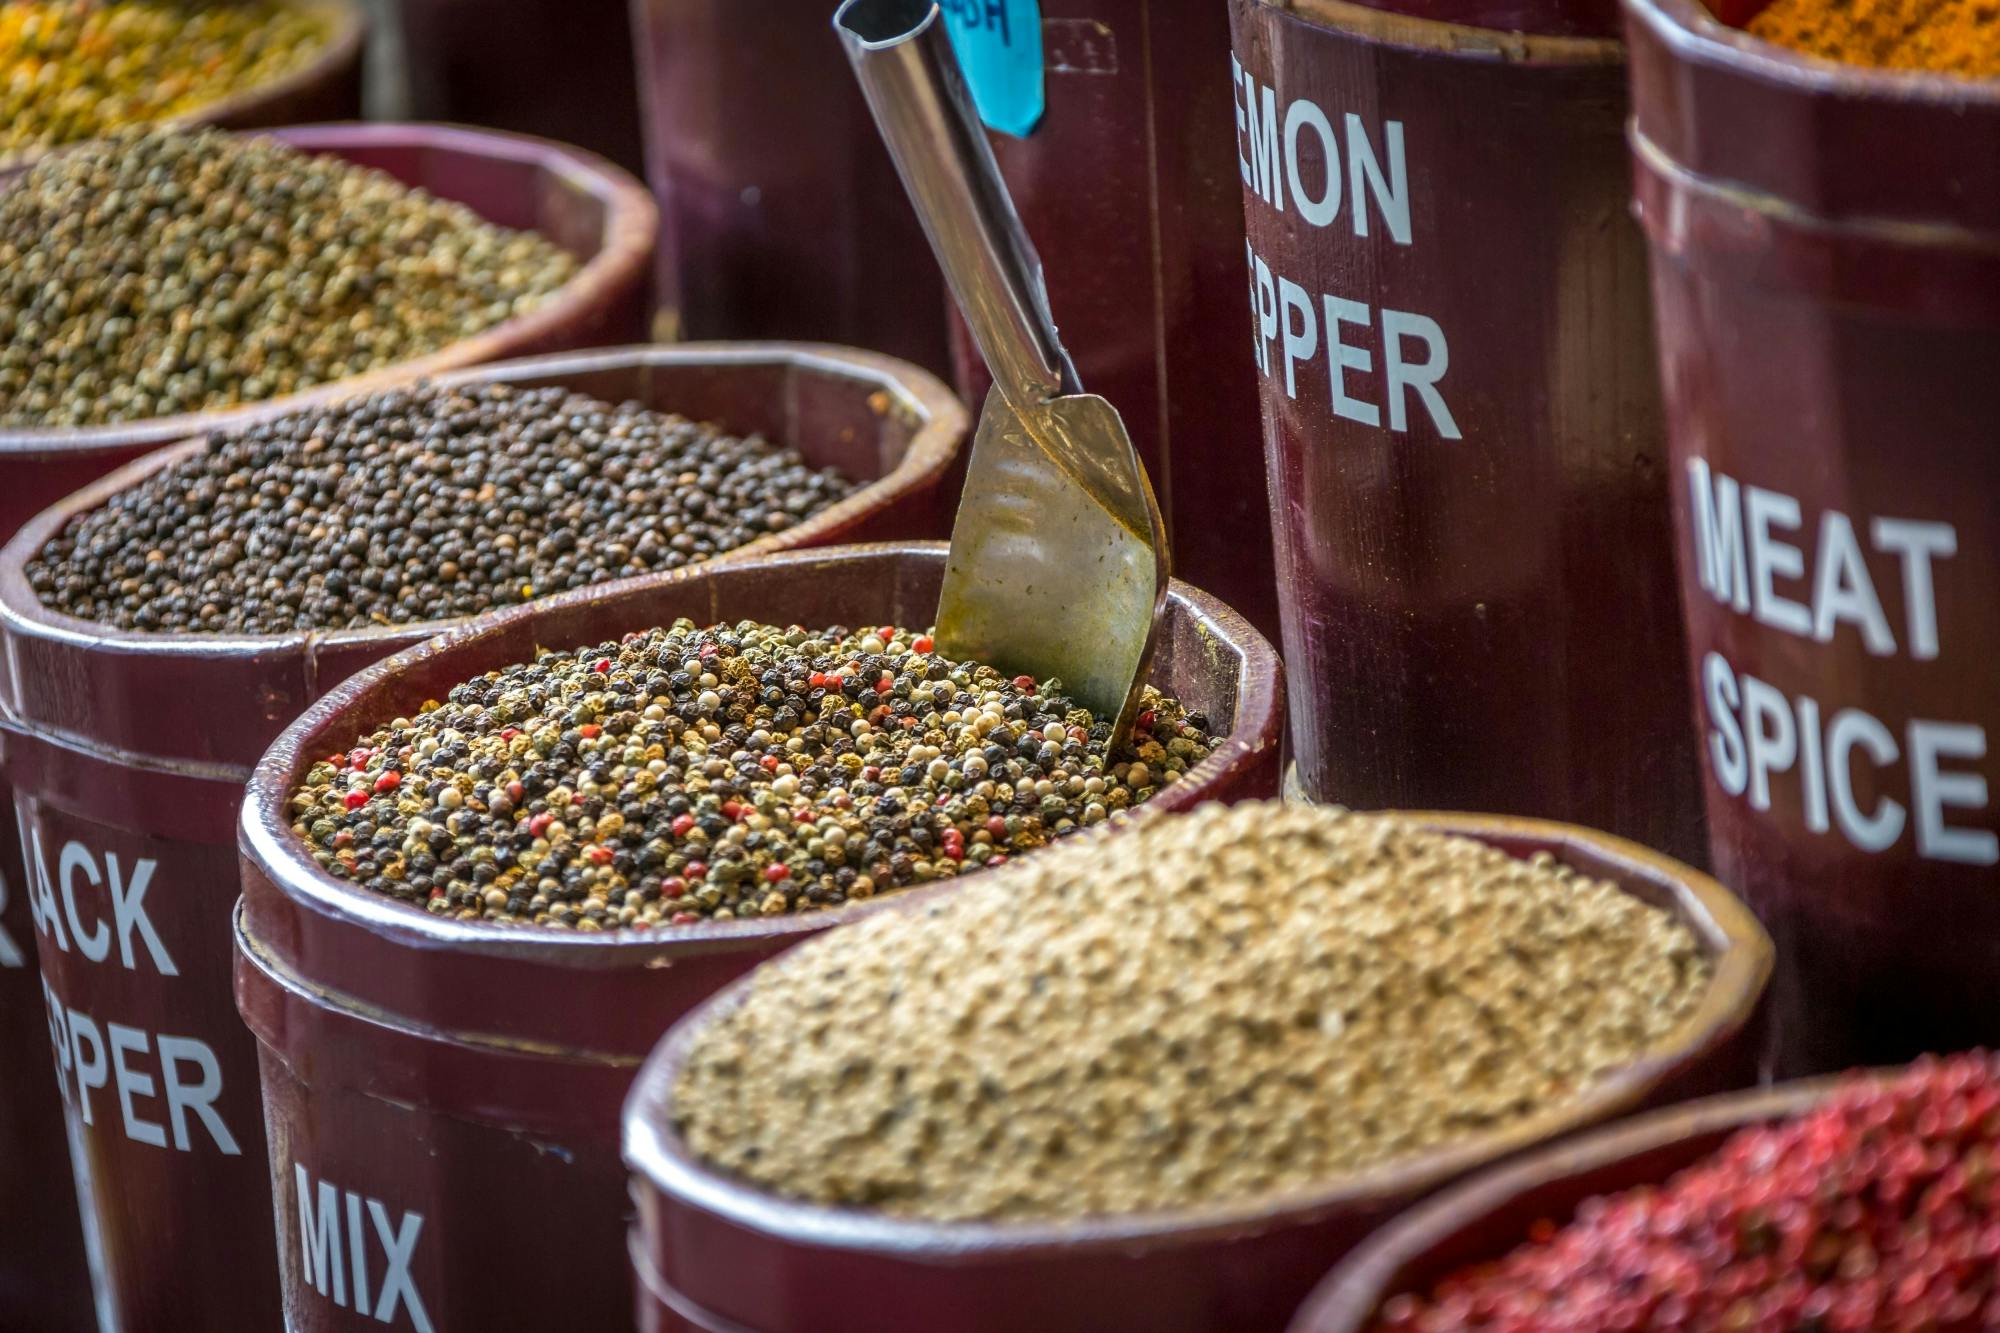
(689, 774)
(1878, 1211)
(420, 504)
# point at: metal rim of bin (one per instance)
(1449, 37)
(1743, 956)
(623, 257)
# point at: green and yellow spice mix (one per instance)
(1205, 1009)
(77, 69)
(169, 271)
(688, 774)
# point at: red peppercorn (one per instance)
(602, 666)
(1145, 720)
(682, 824)
(509, 733)
(600, 856)
(769, 763)
(697, 870)
(685, 918)
(884, 685)
(997, 826)
(777, 873)
(539, 825)
(673, 886)
(923, 644)
(354, 800)
(732, 809)
(1024, 682)
(1873, 1211)
(956, 851)
(590, 731)
(389, 781)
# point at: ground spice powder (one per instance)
(1214, 1007)
(1949, 36)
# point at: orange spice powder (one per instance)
(1950, 36)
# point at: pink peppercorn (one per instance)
(1880, 1209)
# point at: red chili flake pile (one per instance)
(1880, 1210)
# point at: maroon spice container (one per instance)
(1826, 269)
(1129, 187)
(1240, 1269)
(1461, 413)
(783, 217)
(471, 1076)
(1488, 1216)
(553, 68)
(133, 749)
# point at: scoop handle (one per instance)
(910, 76)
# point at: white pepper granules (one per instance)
(164, 271)
(1215, 1007)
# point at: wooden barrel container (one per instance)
(1461, 413)
(1826, 270)
(470, 1076)
(129, 752)
(552, 68)
(783, 216)
(1240, 1268)
(1489, 1215)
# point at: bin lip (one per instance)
(932, 449)
(1348, 1298)
(1457, 36)
(265, 833)
(1743, 955)
(623, 256)
(343, 47)
(1693, 34)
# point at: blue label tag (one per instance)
(999, 45)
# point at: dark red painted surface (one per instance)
(1829, 310)
(782, 215)
(1473, 548)
(137, 747)
(1489, 1215)
(581, 202)
(473, 1075)
(1239, 1269)
(561, 69)
(1129, 188)
(44, 1280)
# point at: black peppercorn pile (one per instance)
(168, 271)
(693, 774)
(420, 504)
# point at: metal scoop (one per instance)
(1059, 557)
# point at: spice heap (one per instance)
(170, 271)
(690, 774)
(1880, 1210)
(1231, 1004)
(420, 504)
(71, 70)
(1950, 36)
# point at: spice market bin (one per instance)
(467, 1078)
(1826, 270)
(1489, 1215)
(1225, 1269)
(327, 88)
(783, 216)
(1136, 141)
(129, 753)
(1461, 412)
(552, 68)
(44, 1278)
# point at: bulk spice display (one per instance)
(1230, 1004)
(1880, 1210)
(690, 773)
(165, 271)
(75, 69)
(1953, 36)
(420, 504)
